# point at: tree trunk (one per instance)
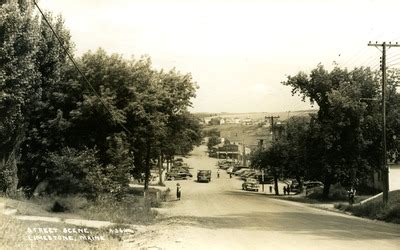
(301, 187)
(147, 167)
(160, 169)
(276, 185)
(327, 185)
(147, 177)
(9, 169)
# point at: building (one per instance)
(394, 178)
(247, 121)
(233, 151)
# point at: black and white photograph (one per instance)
(200, 124)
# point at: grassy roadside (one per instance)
(15, 234)
(375, 210)
(372, 209)
(131, 209)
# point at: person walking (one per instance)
(178, 191)
(351, 193)
(218, 173)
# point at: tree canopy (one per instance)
(342, 142)
(57, 125)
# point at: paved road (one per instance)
(219, 215)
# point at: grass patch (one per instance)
(336, 193)
(15, 235)
(299, 198)
(130, 209)
(374, 209)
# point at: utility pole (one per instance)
(273, 140)
(272, 125)
(384, 45)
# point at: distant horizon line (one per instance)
(253, 112)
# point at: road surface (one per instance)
(219, 215)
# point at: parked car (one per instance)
(225, 166)
(236, 168)
(204, 176)
(247, 174)
(264, 179)
(178, 175)
(294, 187)
(250, 185)
(313, 184)
(240, 171)
(180, 169)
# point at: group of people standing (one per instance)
(286, 190)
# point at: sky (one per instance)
(238, 52)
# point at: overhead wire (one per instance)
(78, 69)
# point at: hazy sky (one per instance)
(238, 52)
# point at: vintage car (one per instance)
(204, 176)
(177, 175)
(313, 184)
(250, 185)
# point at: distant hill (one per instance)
(257, 115)
(250, 134)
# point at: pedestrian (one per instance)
(270, 189)
(288, 189)
(352, 193)
(218, 173)
(178, 191)
(284, 190)
(230, 175)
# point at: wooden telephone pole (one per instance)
(384, 45)
(272, 125)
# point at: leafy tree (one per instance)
(52, 119)
(212, 141)
(211, 132)
(296, 136)
(271, 160)
(19, 85)
(46, 119)
(340, 143)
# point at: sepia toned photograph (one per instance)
(199, 124)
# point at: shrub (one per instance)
(315, 193)
(338, 192)
(130, 209)
(392, 214)
(72, 171)
(375, 210)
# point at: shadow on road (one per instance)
(325, 225)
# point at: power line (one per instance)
(77, 68)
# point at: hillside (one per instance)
(250, 134)
(257, 115)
